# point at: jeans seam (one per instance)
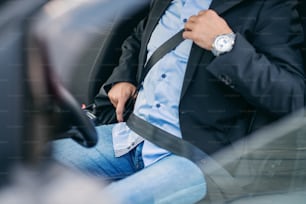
(137, 157)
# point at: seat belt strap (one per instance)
(211, 169)
(162, 50)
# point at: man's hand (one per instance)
(118, 96)
(203, 28)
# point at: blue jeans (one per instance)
(173, 179)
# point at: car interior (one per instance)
(12, 25)
(55, 55)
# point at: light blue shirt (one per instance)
(158, 100)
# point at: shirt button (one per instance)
(158, 105)
(163, 75)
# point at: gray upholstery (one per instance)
(83, 40)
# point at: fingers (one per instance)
(203, 28)
(202, 12)
(207, 12)
(189, 27)
(118, 103)
(120, 109)
(190, 23)
(201, 18)
(118, 95)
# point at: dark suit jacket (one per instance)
(227, 97)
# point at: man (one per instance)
(238, 69)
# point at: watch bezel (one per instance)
(217, 50)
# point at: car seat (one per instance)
(83, 40)
(108, 57)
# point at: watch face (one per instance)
(223, 43)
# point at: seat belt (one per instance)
(214, 172)
(224, 183)
(162, 50)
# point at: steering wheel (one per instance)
(81, 128)
(70, 121)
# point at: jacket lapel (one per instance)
(197, 54)
(220, 6)
(158, 10)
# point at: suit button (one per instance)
(221, 77)
(225, 79)
(228, 81)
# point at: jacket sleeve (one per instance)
(126, 71)
(268, 72)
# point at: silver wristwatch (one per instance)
(223, 43)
